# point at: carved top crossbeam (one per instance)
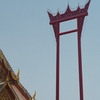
(69, 14)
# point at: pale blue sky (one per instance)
(27, 40)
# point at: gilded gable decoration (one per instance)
(10, 87)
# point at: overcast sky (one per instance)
(27, 41)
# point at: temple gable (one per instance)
(10, 87)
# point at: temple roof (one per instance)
(10, 87)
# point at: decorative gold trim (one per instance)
(13, 76)
(4, 95)
(4, 85)
(18, 73)
(25, 91)
(34, 96)
(16, 97)
(0, 57)
(5, 61)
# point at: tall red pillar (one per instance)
(57, 61)
(80, 21)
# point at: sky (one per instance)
(28, 42)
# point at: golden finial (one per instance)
(34, 96)
(18, 73)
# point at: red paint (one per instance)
(57, 62)
(55, 21)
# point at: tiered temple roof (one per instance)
(10, 87)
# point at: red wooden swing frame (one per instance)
(55, 21)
